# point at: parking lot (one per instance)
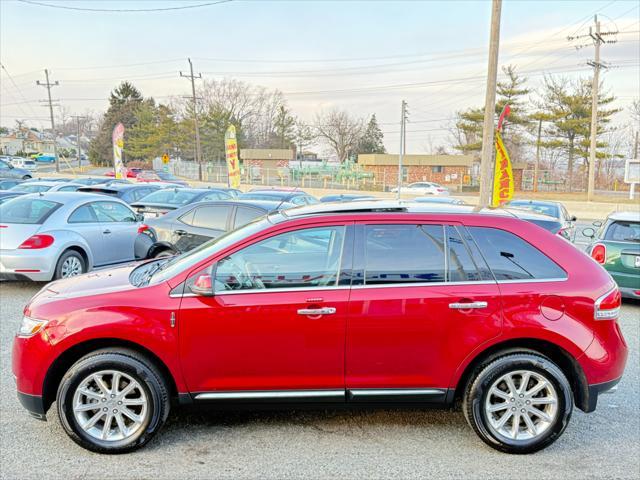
(321, 444)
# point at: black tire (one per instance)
(130, 363)
(57, 274)
(483, 378)
(164, 253)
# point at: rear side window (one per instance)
(211, 217)
(215, 196)
(512, 258)
(33, 211)
(397, 254)
(623, 232)
(83, 214)
(246, 215)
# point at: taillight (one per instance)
(143, 228)
(607, 307)
(599, 253)
(37, 241)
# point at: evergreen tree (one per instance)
(372, 138)
(123, 104)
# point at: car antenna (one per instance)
(282, 201)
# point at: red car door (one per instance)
(422, 302)
(276, 321)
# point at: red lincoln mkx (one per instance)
(358, 304)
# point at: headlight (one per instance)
(30, 326)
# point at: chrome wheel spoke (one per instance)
(540, 414)
(525, 381)
(133, 401)
(544, 401)
(131, 415)
(92, 421)
(515, 425)
(114, 383)
(87, 407)
(499, 393)
(504, 419)
(530, 425)
(512, 387)
(106, 427)
(101, 384)
(90, 394)
(498, 406)
(120, 422)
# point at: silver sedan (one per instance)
(53, 235)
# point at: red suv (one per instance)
(363, 303)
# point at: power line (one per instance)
(123, 10)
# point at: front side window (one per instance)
(112, 212)
(512, 258)
(246, 215)
(308, 258)
(397, 254)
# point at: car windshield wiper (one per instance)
(153, 270)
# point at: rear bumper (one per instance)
(36, 265)
(595, 390)
(630, 292)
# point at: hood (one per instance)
(93, 283)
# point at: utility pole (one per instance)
(486, 160)
(198, 152)
(78, 147)
(597, 38)
(403, 143)
(536, 169)
(635, 147)
(48, 86)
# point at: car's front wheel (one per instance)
(519, 403)
(112, 401)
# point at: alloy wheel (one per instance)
(71, 267)
(110, 405)
(521, 405)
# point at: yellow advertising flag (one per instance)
(233, 162)
(503, 175)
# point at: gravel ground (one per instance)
(372, 444)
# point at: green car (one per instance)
(616, 246)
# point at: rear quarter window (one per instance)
(33, 211)
(512, 258)
(623, 232)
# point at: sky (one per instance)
(362, 56)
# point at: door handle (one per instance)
(107, 231)
(468, 305)
(311, 312)
(180, 232)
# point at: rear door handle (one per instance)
(180, 232)
(107, 231)
(317, 311)
(465, 306)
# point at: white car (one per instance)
(26, 163)
(40, 186)
(423, 188)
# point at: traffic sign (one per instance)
(165, 158)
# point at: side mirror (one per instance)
(574, 219)
(139, 217)
(589, 232)
(203, 286)
(597, 223)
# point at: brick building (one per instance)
(448, 170)
(266, 158)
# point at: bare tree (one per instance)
(339, 131)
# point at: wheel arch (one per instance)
(159, 247)
(67, 358)
(561, 357)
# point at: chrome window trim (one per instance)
(535, 280)
(284, 289)
(271, 394)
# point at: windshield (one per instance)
(542, 208)
(550, 225)
(33, 211)
(170, 197)
(188, 259)
(33, 188)
(623, 232)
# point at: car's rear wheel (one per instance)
(112, 401)
(518, 403)
(164, 253)
(70, 264)
(26, 177)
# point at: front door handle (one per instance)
(107, 231)
(312, 312)
(180, 232)
(468, 305)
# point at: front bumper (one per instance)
(630, 292)
(36, 265)
(33, 404)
